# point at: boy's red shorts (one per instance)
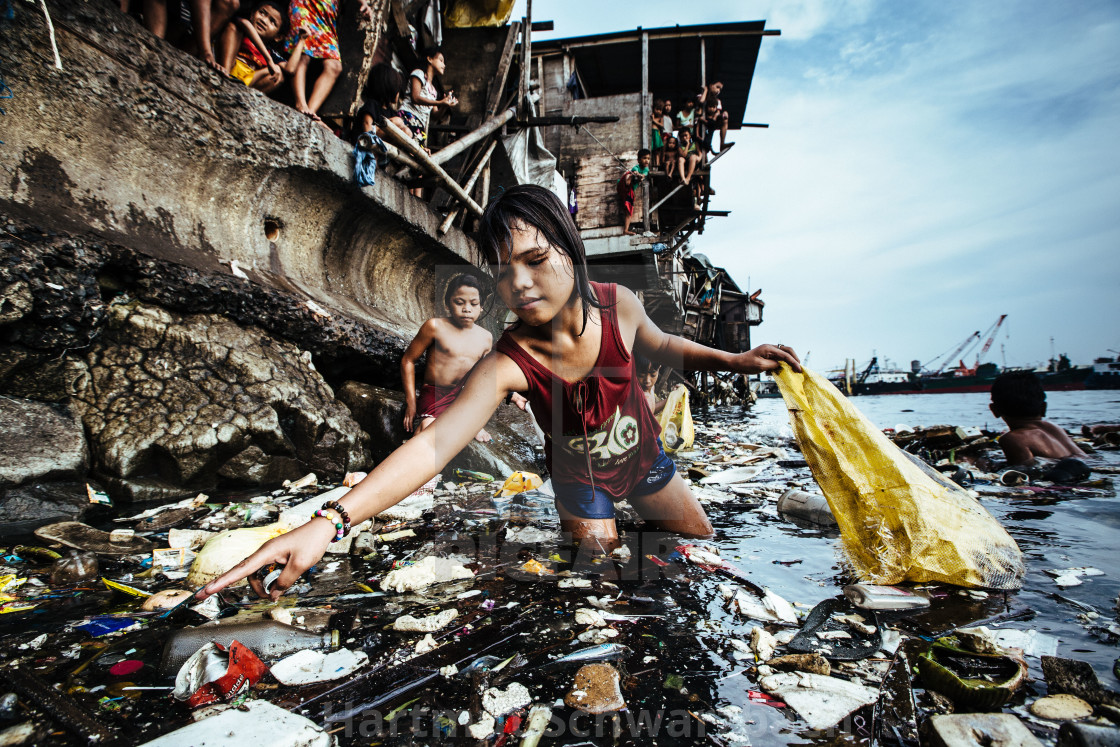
(433, 400)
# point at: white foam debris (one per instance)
(574, 583)
(430, 570)
(429, 624)
(498, 702)
(588, 616)
(426, 644)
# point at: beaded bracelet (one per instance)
(339, 532)
(336, 506)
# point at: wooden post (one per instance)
(703, 63)
(409, 146)
(526, 68)
(483, 164)
(645, 125)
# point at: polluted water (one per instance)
(497, 630)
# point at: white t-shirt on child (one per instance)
(422, 111)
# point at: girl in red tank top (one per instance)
(571, 353)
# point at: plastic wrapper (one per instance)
(462, 14)
(899, 519)
(215, 675)
(677, 432)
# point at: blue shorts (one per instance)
(578, 499)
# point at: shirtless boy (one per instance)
(455, 343)
(1019, 399)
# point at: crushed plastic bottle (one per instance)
(810, 507)
(268, 639)
(872, 597)
(74, 567)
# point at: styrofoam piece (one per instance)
(255, 721)
(307, 666)
(822, 701)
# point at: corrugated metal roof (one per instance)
(611, 64)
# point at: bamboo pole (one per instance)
(407, 144)
(479, 133)
(485, 162)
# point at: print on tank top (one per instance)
(609, 445)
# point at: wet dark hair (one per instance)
(1019, 394)
(282, 8)
(460, 281)
(644, 365)
(432, 51)
(537, 208)
(644, 152)
(385, 83)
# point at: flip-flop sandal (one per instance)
(853, 646)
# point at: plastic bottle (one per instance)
(470, 474)
(74, 567)
(810, 507)
(268, 639)
(872, 597)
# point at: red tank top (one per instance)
(602, 421)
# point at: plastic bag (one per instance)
(676, 421)
(519, 482)
(899, 519)
(462, 14)
(226, 550)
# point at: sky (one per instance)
(929, 165)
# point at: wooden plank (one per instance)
(498, 84)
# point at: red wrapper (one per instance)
(244, 671)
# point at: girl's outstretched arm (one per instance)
(401, 473)
(682, 354)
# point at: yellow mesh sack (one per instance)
(899, 519)
(677, 432)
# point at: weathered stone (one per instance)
(1061, 707)
(380, 413)
(1082, 734)
(812, 663)
(1076, 678)
(971, 729)
(174, 399)
(596, 690)
(30, 506)
(38, 442)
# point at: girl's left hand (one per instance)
(766, 358)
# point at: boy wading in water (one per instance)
(570, 353)
(455, 343)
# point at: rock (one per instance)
(173, 399)
(821, 701)
(971, 729)
(596, 690)
(812, 663)
(30, 506)
(1076, 678)
(1061, 707)
(39, 442)
(1082, 734)
(380, 411)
